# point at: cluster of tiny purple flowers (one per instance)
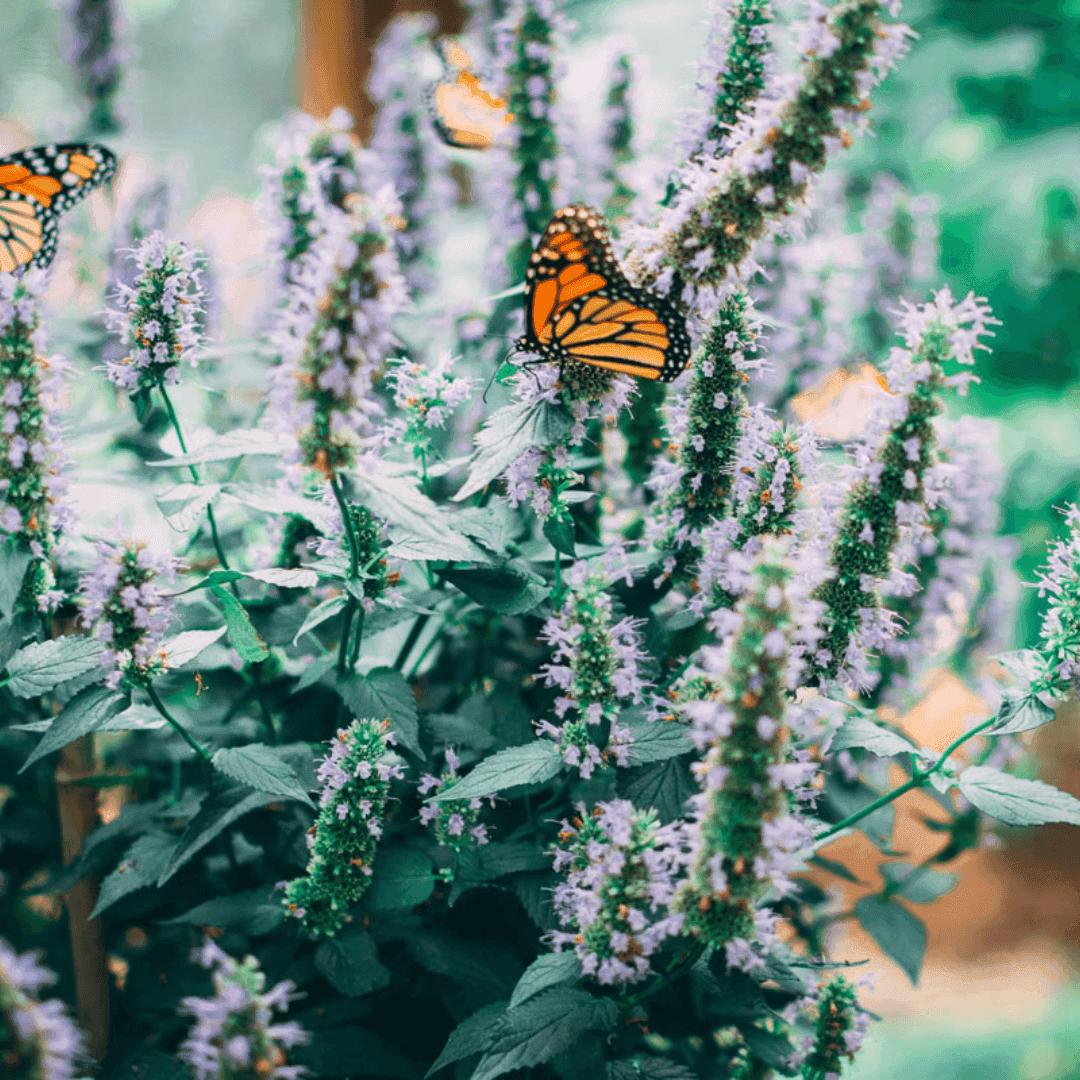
(125, 608)
(454, 821)
(158, 316)
(38, 1041)
(620, 865)
(234, 1036)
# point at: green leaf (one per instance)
(401, 878)
(533, 763)
(497, 588)
(920, 885)
(15, 560)
(300, 578)
(318, 615)
(845, 799)
(471, 1036)
(184, 504)
(383, 694)
(657, 741)
(233, 444)
(649, 1068)
(37, 668)
(858, 731)
(492, 526)
(261, 767)
(86, 712)
(837, 868)
(542, 1027)
(313, 673)
(353, 1052)
(350, 963)
(1015, 801)
(559, 530)
(507, 434)
(665, 785)
(767, 1046)
(217, 813)
(551, 969)
(900, 935)
(139, 869)
(1020, 710)
(1025, 665)
(484, 973)
(254, 911)
(187, 646)
(243, 637)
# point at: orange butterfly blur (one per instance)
(37, 186)
(580, 307)
(464, 113)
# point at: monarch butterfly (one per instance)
(580, 307)
(840, 404)
(464, 113)
(37, 186)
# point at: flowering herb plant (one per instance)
(503, 735)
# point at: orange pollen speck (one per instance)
(846, 139)
(731, 228)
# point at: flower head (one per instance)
(235, 1036)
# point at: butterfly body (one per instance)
(580, 308)
(39, 184)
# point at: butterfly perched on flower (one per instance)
(37, 186)
(580, 307)
(464, 113)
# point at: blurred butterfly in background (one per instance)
(579, 305)
(37, 186)
(464, 113)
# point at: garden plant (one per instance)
(449, 695)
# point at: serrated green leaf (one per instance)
(255, 911)
(542, 1027)
(1020, 710)
(232, 444)
(261, 768)
(243, 637)
(471, 1036)
(859, 731)
(900, 935)
(533, 763)
(507, 434)
(187, 646)
(483, 972)
(184, 504)
(350, 963)
(216, 814)
(300, 578)
(313, 673)
(85, 713)
(497, 588)
(920, 885)
(657, 741)
(35, 669)
(15, 560)
(1015, 801)
(383, 694)
(664, 785)
(551, 969)
(400, 878)
(318, 615)
(649, 1068)
(139, 869)
(1024, 665)
(559, 530)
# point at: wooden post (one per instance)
(79, 818)
(335, 39)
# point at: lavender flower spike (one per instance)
(234, 1036)
(38, 1041)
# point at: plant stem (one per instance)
(346, 518)
(175, 724)
(918, 780)
(343, 646)
(175, 420)
(674, 971)
(414, 635)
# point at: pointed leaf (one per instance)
(185, 647)
(139, 869)
(35, 669)
(318, 615)
(471, 1036)
(919, 884)
(552, 969)
(559, 530)
(858, 731)
(1020, 710)
(313, 673)
(657, 740)
(350, 963)
(260, 767)
(1015, 801)
(498, 588)
(86, 712)
(184, 504)
(401, 878)
(15, 559)
(255, 912)
(300, 578)
(243, 637)
(900, 935)
(233, 444)
(383, 694)
(533, 763)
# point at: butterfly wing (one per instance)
(462, 110)
(39, 184)
(580, 307)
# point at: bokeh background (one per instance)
(984, 115)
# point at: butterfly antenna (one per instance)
(498, 367)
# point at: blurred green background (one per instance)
(984, 114)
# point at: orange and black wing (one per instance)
(36, 187)
(464, 113)
(580, 307)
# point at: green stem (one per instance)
(346, 517)
(675, 971)
(175, 421)
(414, 635)
(918, 780)
(175, 724)
(358, 637)
(343, 645)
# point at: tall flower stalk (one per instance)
(94, 49)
